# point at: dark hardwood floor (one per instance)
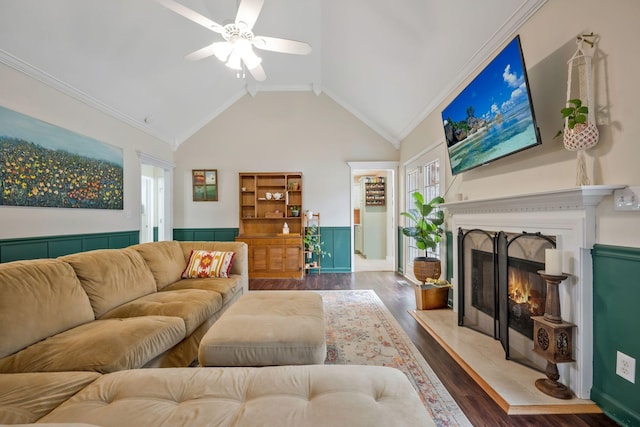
(476, 404)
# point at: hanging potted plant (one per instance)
(427, 232)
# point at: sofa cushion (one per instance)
(39, 298)
(25, 398)
(282, 396)
(208, 264)
(101, 346)
(165, 260)
(194, 306)
(227, 288)
(112, 277)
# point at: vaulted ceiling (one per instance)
(389, 63)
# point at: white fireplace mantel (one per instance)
(570, 215)
(567, 199)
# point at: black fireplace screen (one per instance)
(526, 289)
(501, 289)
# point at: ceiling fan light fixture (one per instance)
(222, 50)
(236, 51)
(234, 61)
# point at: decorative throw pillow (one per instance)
(208, 264)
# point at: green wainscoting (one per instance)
(616, 327)
(205, 234)
(336, 241)
(55, 246)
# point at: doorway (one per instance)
(373, 215)
(156, 222)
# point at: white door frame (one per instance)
(392, 221)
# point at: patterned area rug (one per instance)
(362, 331)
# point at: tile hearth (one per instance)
(510, 384)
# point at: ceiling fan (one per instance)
(236, 50)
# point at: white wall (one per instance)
(285, 131)
(548, 41)
(23, 94)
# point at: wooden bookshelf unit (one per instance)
(267, 202)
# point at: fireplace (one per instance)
(502, 288)
(570, 215)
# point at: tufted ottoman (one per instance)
(273, 396)
(267, 328)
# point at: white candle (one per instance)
(553, 262)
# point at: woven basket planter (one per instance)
(424, 268)
(582, 137)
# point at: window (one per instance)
(422, 174)
(412, 185)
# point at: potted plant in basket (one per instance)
(427, 232)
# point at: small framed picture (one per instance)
(205, 185)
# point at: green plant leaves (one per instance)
(427, 230)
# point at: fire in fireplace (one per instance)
(526, 290)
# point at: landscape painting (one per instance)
(46, 166)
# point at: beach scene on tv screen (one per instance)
(492, 116)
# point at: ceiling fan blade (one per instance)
(191, 15)
(248, 12)
(258, 73)
(220, 49)
(281, 45)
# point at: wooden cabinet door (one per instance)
(258, 258)
(275, 258)
(293, 258)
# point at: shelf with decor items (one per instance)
(268, 201)
(313, 252)
(375, 191)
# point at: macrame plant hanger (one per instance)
(584, 135)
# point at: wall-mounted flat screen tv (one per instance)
(493, 116)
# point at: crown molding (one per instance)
(65, 88)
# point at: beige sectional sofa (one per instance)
(112, 309)
(75, 330)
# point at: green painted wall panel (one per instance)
(616, 327)
(27, 250)
(205, 234)
(54, 246)
(64, 247)
(337, 241)
(93, 243)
